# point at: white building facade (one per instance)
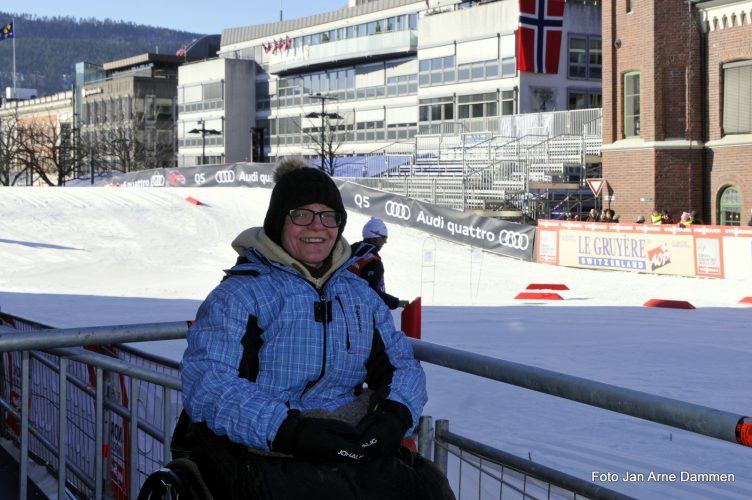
(381, 72)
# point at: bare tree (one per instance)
(46, 148)
(118, 150)
(325, 134)
(9, 168)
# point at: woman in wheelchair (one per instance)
(296, 383)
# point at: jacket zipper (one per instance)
(324, 320)
(347, 329)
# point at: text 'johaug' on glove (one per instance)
(318, 439)
(378, 434)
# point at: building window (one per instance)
(585, 57)
(477, 106)
(630, 6)
(731, 207)
(402, 85)
(370, 131)
(436, 110)
(632, 104)
(436, 71)
(737, 98)
(508, 102)
(584, 99)
(483, 70)
(508, 67)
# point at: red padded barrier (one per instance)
(674, 304)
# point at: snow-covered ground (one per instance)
(97, 256)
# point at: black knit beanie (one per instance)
(297, 184)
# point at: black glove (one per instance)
(318, 439)
(383, 428)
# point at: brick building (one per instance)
(677, 108)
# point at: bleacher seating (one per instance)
(490, 167)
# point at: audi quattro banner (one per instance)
(498, 236)
(235, 174)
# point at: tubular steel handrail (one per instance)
(703, 420)
(60, 342)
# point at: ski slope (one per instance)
(96, 256)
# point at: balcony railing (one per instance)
(396, 42)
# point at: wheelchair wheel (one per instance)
(178, 480)
(164, 484)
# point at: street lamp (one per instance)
(323, 115)
(203, 131)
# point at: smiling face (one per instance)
(311, 244)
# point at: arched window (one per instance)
(731, 207)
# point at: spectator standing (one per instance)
(369, 265)
(274, 371)
(592, 216)
(666, 217)
(685, 220)
(640, 220)
(656, 217)
(750, 217)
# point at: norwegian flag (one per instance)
(539, 35)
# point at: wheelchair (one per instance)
(181, 479)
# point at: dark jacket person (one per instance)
(369, 265)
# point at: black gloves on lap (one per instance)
(318, 439)
(378, 434)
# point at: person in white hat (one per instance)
(369, 265)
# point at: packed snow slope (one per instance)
(98, 256)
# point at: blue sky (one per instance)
(206, 17)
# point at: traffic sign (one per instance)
(596, 185)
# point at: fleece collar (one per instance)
(255, 237)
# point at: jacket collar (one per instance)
(255, 239)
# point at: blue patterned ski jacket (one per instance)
(268, 339)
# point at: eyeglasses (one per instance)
(304, 217)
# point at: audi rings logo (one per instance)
(511, 239)
(224, 176)
(157, 180)
(397, 210)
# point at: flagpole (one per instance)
(13, 23)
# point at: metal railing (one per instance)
(493, 470)
(44, 430)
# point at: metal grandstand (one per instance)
(521, 167)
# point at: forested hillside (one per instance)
(47, 48)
